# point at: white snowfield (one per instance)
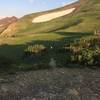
(52, 15)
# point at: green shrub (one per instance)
(86, 51)
(34, 49)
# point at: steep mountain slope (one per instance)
(90, 16)
(28, 36)
(85, 18)
(5, 22)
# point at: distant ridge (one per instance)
(5, 22)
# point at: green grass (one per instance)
(56, 33)
(13, 48)
(85, 19)
(31, 37)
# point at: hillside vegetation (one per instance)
(86, 18)
(87, 11)
(68, 40)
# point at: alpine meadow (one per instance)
(57, 45)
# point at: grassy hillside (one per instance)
(90, 16)
(55, 36)
(13, 56)
(86, 18)
(25, 25)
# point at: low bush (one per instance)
(86, 51)
(34, 49)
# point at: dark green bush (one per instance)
(86, 51)
(5, 62)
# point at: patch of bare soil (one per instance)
(55, 84)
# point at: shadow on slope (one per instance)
(13, 56)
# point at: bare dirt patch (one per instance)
(55, 84)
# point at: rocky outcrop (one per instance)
(5, 22)
(55, 84)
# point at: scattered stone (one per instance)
(73, 92)
(94, 97)
(34, 99)
(52, 85)
(4, 88)
(52, 63)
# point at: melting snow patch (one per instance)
(53, 15)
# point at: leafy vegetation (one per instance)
(85, 19)
(68, 40)
(74, 48)
(86, 51)
(35, 48)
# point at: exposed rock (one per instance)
(52, 63)
(5, 22)
(54, 85)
